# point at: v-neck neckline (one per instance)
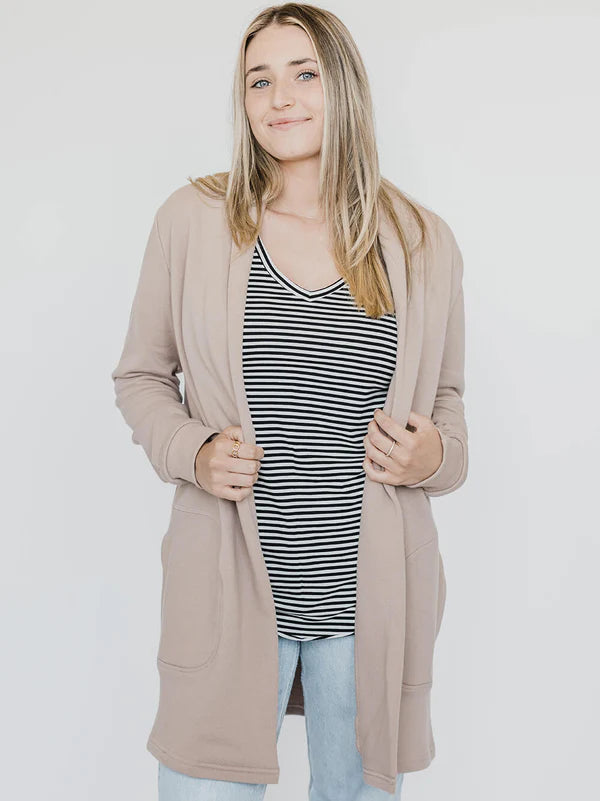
(292, 286)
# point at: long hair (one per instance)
(352, 193)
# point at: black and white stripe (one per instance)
(315, 369)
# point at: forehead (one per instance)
(278, 44)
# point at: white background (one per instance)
(485, 112)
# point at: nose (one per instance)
(282, 97)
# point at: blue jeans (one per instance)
(329, 710)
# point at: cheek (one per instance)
(315, 100)
(254, 122)
(253, 107)
(257, 110)
(317, 113)
(317, 129)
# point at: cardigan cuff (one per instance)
(180, 458)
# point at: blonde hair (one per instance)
(351, 190)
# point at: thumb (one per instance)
(234, 432)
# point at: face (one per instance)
(281, 90)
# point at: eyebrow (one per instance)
(293, 63)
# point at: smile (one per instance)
(281, 126)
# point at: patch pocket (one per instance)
(192, 591)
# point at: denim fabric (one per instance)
(329, 706)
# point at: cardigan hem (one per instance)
(210, 770)
(387, 783)
(379, 780)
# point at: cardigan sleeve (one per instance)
(448, 411)
(146, 384)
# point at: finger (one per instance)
(234, 479)
(376, 454)
(392, 428)
(234, 432)
(383, 443)
(373, 472)
(377, 439)
(236, 493)
(246, 450)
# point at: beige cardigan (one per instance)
(218, 652)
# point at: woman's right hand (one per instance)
(224, 475)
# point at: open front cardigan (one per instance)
(218, 651)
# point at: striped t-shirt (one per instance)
(315, 369)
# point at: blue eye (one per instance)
(304, 72)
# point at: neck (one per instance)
(300, 191)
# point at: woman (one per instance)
(312, 308)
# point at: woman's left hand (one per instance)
(415, 456)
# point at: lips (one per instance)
(284, 124)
